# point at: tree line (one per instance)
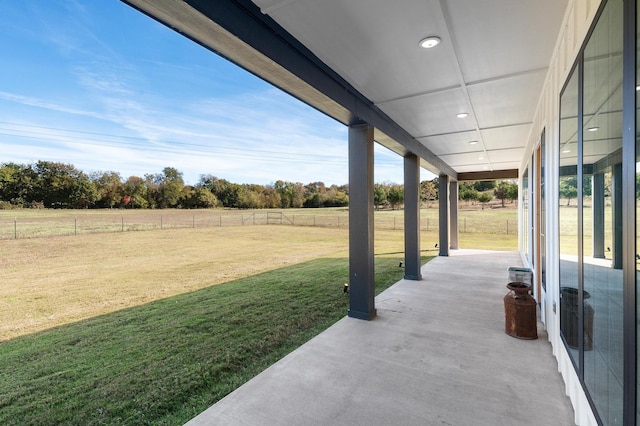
(46, 184)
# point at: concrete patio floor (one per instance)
(437, 354)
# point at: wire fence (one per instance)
(36, 226)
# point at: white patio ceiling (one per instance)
(491, 64)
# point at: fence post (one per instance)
(15, 228)
(394, 223)
(338, 221)
(160, 221)
(507, 226)
(122, 223)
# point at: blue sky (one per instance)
(101, 86)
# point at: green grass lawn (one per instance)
(166, 361)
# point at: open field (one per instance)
(164, 362)
(91, 274)
(153, 327)
(51, 281)
(27, 223)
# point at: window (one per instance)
(590, 215)
(602, 215)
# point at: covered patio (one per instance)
(436, 354)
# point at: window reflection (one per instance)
(602, 215)
(568, 215)
(525, 214)
(637, 183)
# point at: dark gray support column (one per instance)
(453, 215)
(361, 264)
(443, 214)
(597, 187)
(616, 202)
(412, 262)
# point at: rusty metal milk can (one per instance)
(520, 312)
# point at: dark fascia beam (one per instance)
(238, 31)
(494, 175)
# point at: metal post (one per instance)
(629, 158)
(412, 218)
(361, 223)
(616, 202)
(453, 215)
(443, 215)
(597, 207)
(15, 228)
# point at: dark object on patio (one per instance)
(520, 312)
(345, 288)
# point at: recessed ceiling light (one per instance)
(637, 88)
(429, 42)
(593, 129)
(473, 142)
(481, 158)
(566, 151)
(462, 115)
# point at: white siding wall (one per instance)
(577, 20)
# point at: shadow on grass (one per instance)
(166, 361)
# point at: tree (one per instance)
(379, 195)
(227, 193)
(506, 191)
(484, 185)
(484, 198)
(396, 195)
(568, 188)
(62, 185)
(428, 191)
(335, 197)
(109, 188)
(291, 194)
(512, 193)
(17, 184)
(171, 184)
(197, 198)
(134, 192)
(436, 183)
(467, 192)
